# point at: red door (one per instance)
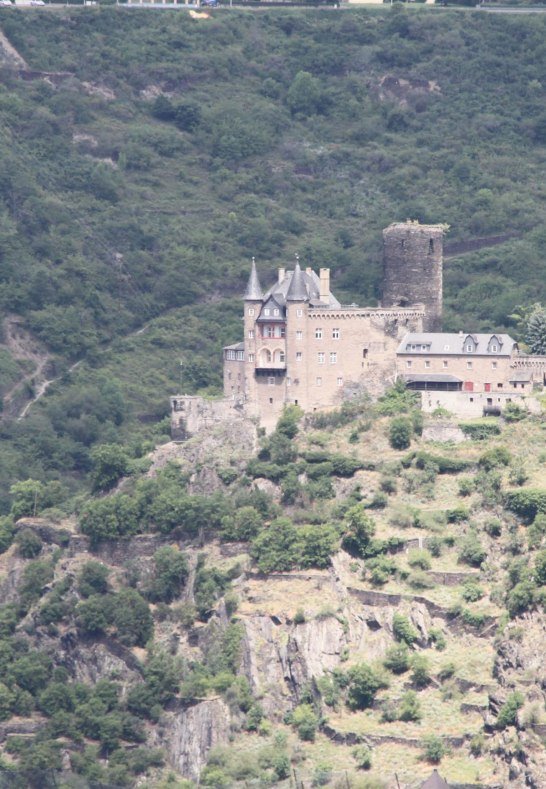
(468, 386)
(487, 387)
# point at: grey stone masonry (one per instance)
(413, 259)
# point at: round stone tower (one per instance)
(412, 269)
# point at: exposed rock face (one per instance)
(189, 734)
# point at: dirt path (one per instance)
(43, 387)
(23, 347)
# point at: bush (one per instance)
(362, 756)
(305, 722)
(434, 749)
(110, 463)
(420, 671)
(277, 548)
(492, 458)
(93, 579)
(397, 659)
(419, 558)
(508, 712)
(480, 431)
(527, 503)
(472, 551)
(472, 592)
(170, 574)
(363, 686)
(402, 630)
(359, 529)
(400, 432)
(29, 544)
(437, 638)
(410, 709)
(132, 618)
(466, 486)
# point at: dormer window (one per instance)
(494, 348)
(267, 311)
(276, 312)
(469, 348)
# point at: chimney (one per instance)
(282, 273)
(325, 284)
(309, 270)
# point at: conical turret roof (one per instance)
(297, 290)
(253, 290)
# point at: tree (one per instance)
(110, 462)
(277, 548)
(359, 529)
(363, 685)
(305, 95)
(508, 711)
(93, 579)
(132, 618)
(305, 720)
(170, 573)
(402, 630)
(434, 749)
(532, 321)
(397, 659)
(400, 433)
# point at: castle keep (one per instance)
(301, 346)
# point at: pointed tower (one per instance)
(297, 290)
(253, 290)
(253, 301)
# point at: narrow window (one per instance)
(427, 364)
(469, 365)
(271, 400)
(469, 348)
(408, 363)
(335, 334)
(271, 381)
(444, 363)
(494, 348)
(318, 334)
(494, 365)
(320, 358)
(299, 313)
(251, 311)
(250, 357)
(281, 356)
(364, 353)
(298, 356)
(431, 246)
(276, 312)
(289, 382)
(299, 335)
(319, 381)
(333, 358)
(340, 381)
(267, 311)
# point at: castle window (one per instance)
(299, 313)
(271, 381)
(340, 381)
(333, 358)
(251, 311)
(427, 364)
(240, 356)
(318, 334)
(469, 365)
(251, 334)
(282, 357)
(276, 312)
(320, 358)
(269, 331)
(499, 386)
(288, 381)
(446, 347)
(279, 331)
(364, 353)
(299, 335)
(299, 356)
(250, 357)
(335, 334)
(469, 348)
(431, 245)
(494, 365)
(408, 363)
(271, 400)
(319, 381)
(444, 363)
(267, 311)
(229, 376)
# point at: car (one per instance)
(209, 3)
(37, 2)
(7, 3)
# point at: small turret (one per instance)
(253, 290)
(297, 290)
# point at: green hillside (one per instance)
(159, 153)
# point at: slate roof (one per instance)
(445, 344)
(435, 781)
(253, 290)
(432, 379)
(238, 346)
(306, 288)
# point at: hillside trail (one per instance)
(24, 348)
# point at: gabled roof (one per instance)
(271, 304)
(435, 781)
(253, 290)
(451, 344)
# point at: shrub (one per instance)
(344, 466)
(362, 756)
(434, 749)
(480, 431)
(466, 486)
(359, 529)
(402, 630)
(277, 548)
(305, 722)
(110, 463)
(94, 615)
(508, 712)
(472, 592)
(397, 659)
(93, 579)
(492, 458)
(437, 638)
(132, 618)
(420, 671)
(457, 515)
(29, 544)
(36, 576)
(520, 598)
(400, 432)
(527, 503)
(472, 551)
(493, 527)
(318, 543)
(410, 709)
(363, 685)
(419, 558)
(244, 524)
(435, 546)
(170, 573)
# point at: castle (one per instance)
(301, 346)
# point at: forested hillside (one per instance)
(147, 157)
